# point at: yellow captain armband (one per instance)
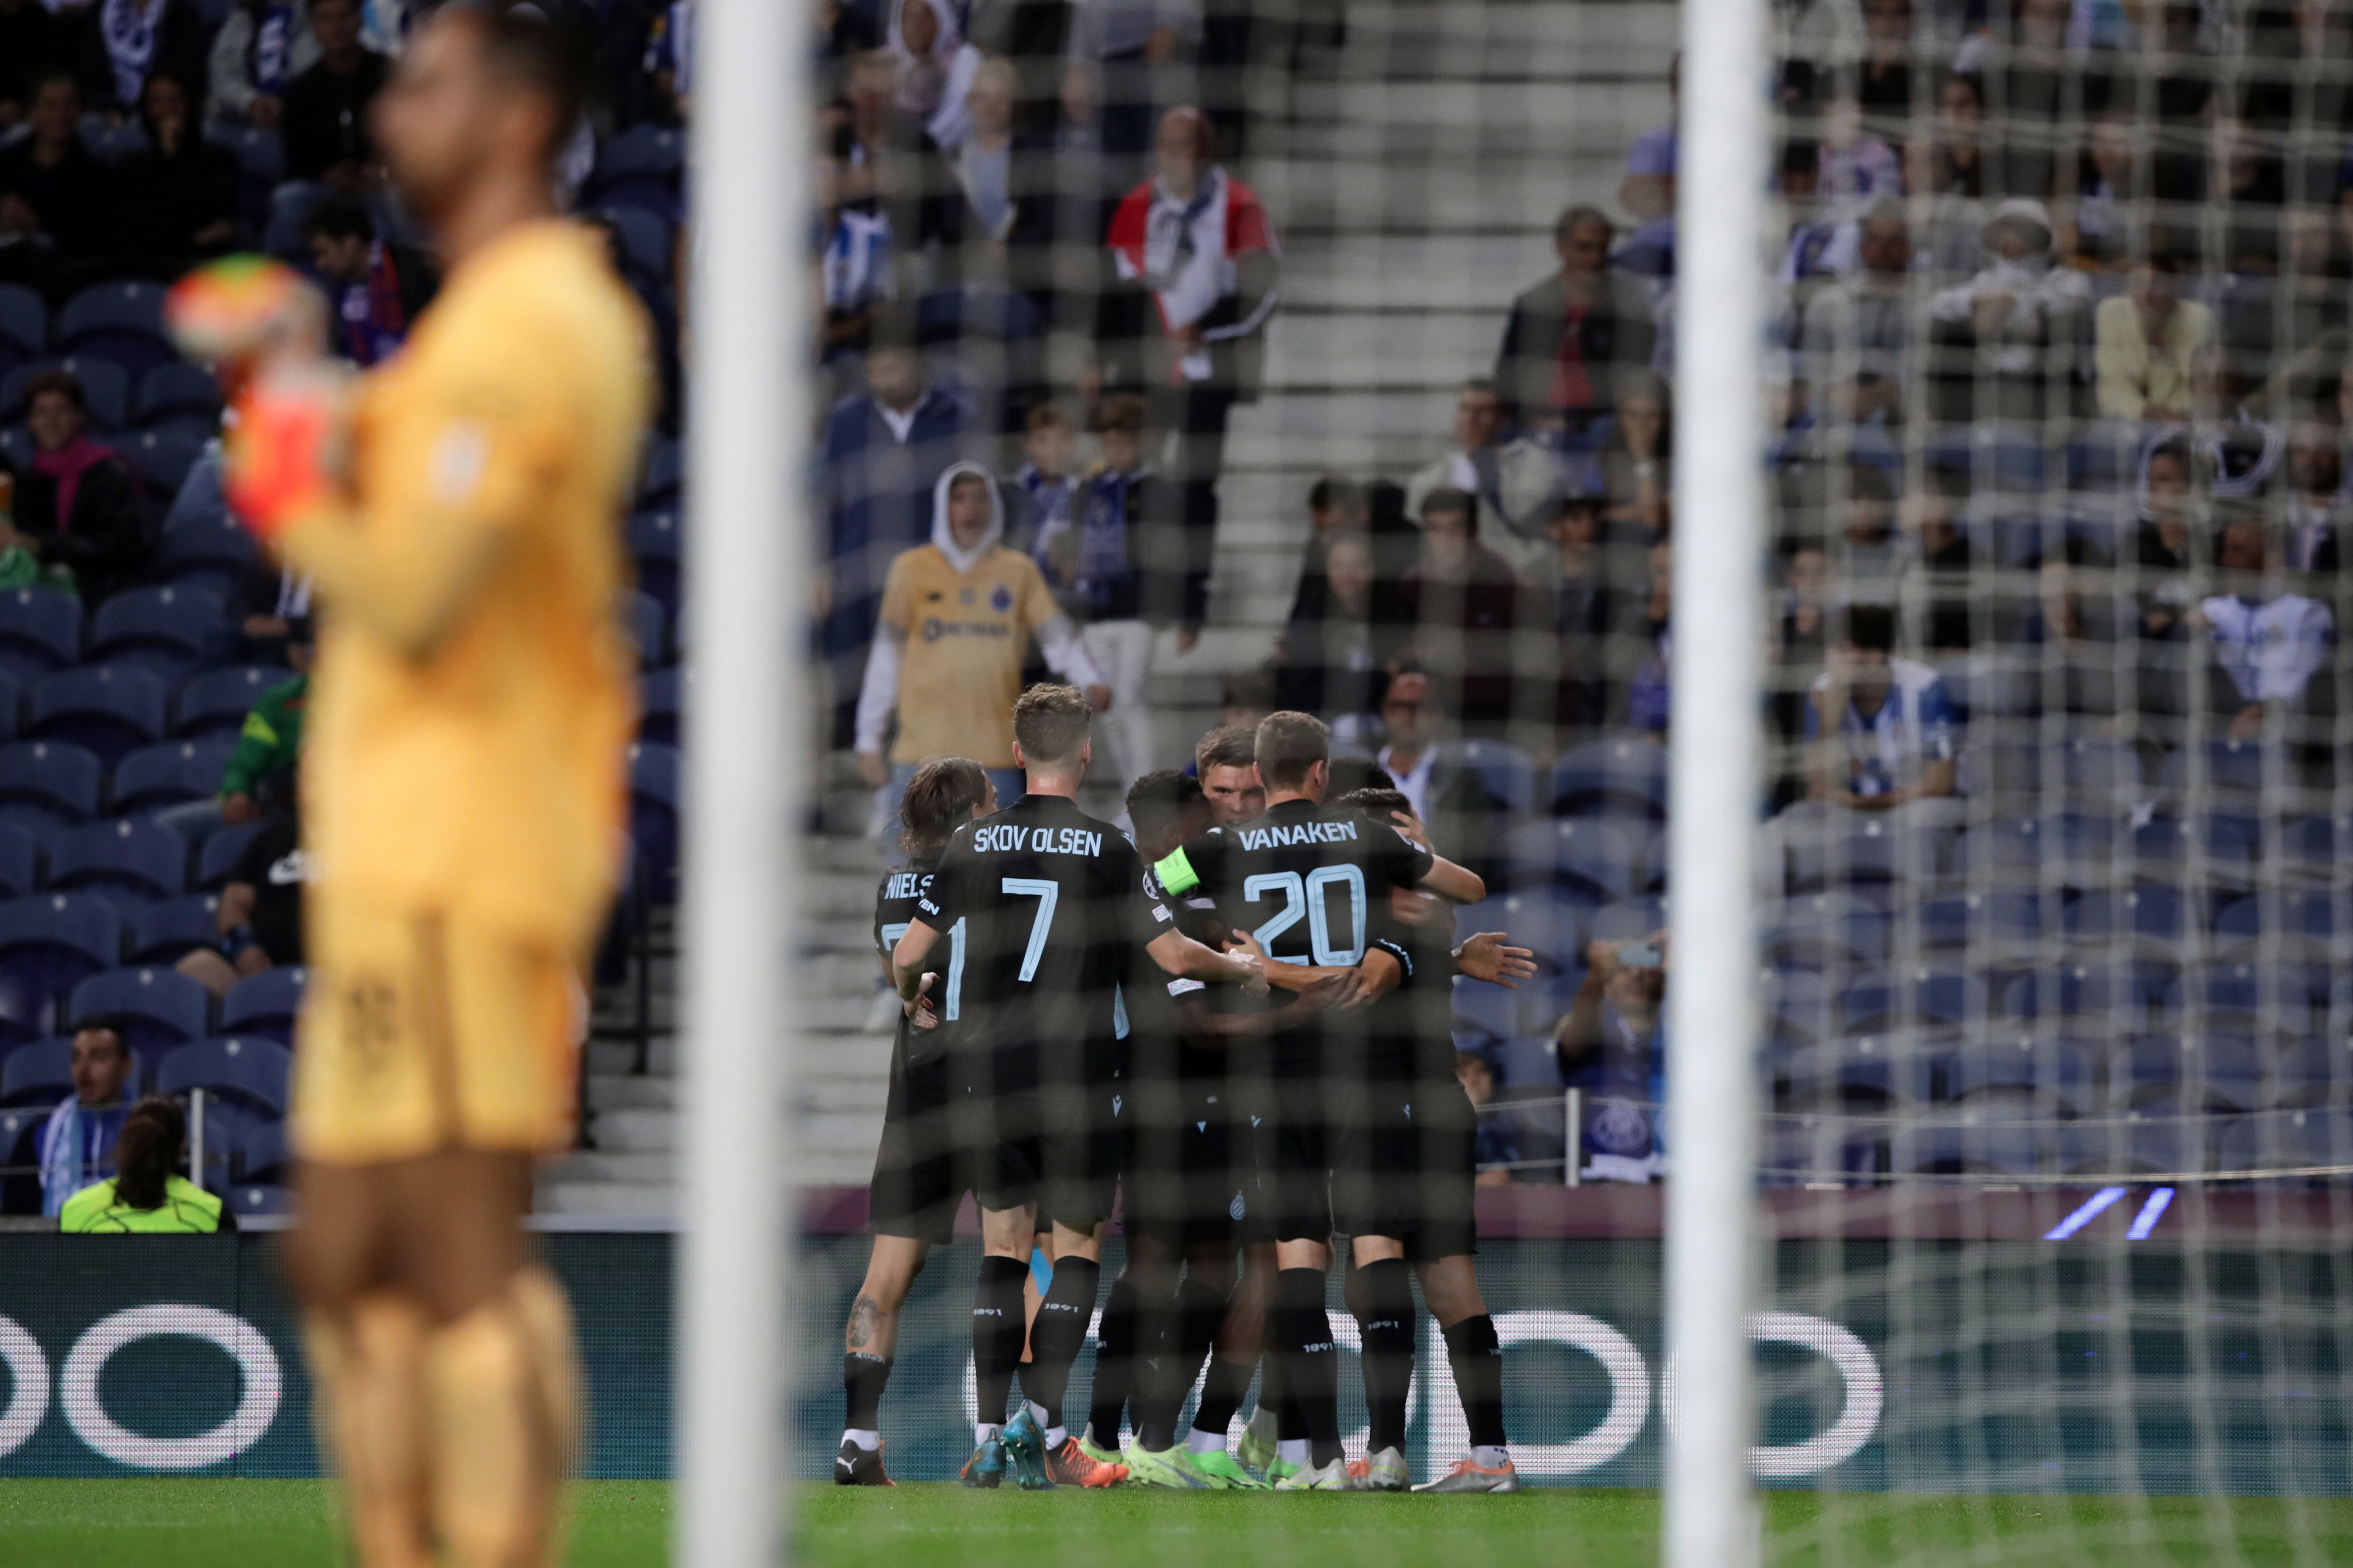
(1176, 874)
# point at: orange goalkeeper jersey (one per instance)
(484, 777)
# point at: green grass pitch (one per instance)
(623, 1524)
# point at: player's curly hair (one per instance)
(940, 798)
(1051, 722)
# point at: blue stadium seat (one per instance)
(2000, 924)
(47, 785)
(1605, 859)
(118, 321)
(641, 169)
(2228, 1073)
(644, 625)
(259, 153)
(161, 459)
(226, 1124)
(51, 942)
(215, 703)
(1504, 773)
(1629, 919)
(2315, 1070)
(655, 802)
(129, 860)
(179, 396)
(169, 774)
(247, 1070)
(2103, 770)
(2307, 847)
(108, 709)
(1799, 1005)
(2276, 996)
(1833, 931)
(20, 862)
(665, 476)
(2294, 1141)
(1914, 997)
(263, 1155)
(155, 1009)
(2232, 768)
(165, 630)
(1615, 776)
(1486, 1016)
(2147, 916)
(104, 384)
(645, 240)
(2304, 921)
(1968, 1143)
(12, 705)
(37, 1074)
(653, 538)
(2125, 993)
(266, 1004)
(660, 697)
(2040, 1072)
(169, 931)
(207, 551)
(2230, 845)
(40, 631)
(221, 853)
(24, 325)
(24, 1012)
(248, 1200)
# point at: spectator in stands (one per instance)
(2268, 643)
(77, 1143)
(1570, 334)
(1943, 180)
(669, 63)
(31, 43)
(1935, 587)
(147, 1196)
(1883, 727)
(1640, 661)
(378, 288)
(885, 450)
(2105, 192)
(1859, 330)
(1130, 566)
(326, 121)
(1883, 76)
(1638, 459)
(1496, 1149)
(1246, 697)
(262, 45)
(1518, 482)
(1333, 659)
(1801, 640)
(77, 505)
(1335, 506)
(261, 770)
(1647, 189)
(176, 200)
(890, 171)
(936, 69)
(260, 917)
(1409, 724)
(1123, 58)
(2020, 313)
(52, 192)
(123, 40)
(1613, 1043)
(1823, 240)
(272, 602)
(1008, 180)
(1857, 167)
(2315, 498)
(1872, 556)
(856, 264)
(1226, 762)
(956, 616)
(2147, 339)
(1466, 608)
(1042, 501)
(1199, 275)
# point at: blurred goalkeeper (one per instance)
(464, 773)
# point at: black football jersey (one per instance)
(895, 911)
(1308, 882)
(1053, 903)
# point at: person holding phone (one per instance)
(1613, 1045)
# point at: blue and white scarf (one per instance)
(77, 1149)
(273, 47)
(130, 28)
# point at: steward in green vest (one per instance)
(145, 1197)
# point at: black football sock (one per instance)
(863, 1377)
(1314, 1358)
(1191, 1325)
(997, 1334)
(1478, 1360)
(1060, 1333)
(1222, 1393)
(1385, 1321)
(1120, 1357)
(1290, 1425)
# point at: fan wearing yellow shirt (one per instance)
(956, 620)
(464, 782)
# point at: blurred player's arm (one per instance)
(411, 594)
(1206, 1029)
(1444, 877)
(1181, 956)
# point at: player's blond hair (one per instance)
(1287, 745)
(1051, 722)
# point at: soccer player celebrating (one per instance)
(1303, 881)
(912, 1202)
(465, 788)
(1050, 898)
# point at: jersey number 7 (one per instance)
(1047, 895)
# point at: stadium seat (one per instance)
(248, 1070)
(24, 325)
(12, 705)
(51, 942)
(130, 861)
(221, 853)
(1831, 931)
(179, 396)
(262, 1155)
(20, 862)
(215, 703)
(1629, 919)
(169, 774)
(2125, 993)
(208, 551)
(2307, 848)
(105, 384)
(2302, 922)
(1503, 772)
(226, 1122)
(166, 630)
(155, 1009)
(1920, 996)
(2101, 772)
(23, 1012)
(2316, 1070)
(644, 625)
(169, 931)
(653, 543)
(2298, 1143)
(266, 1004)
(660, 699)
(249, 1201)
(108, 709)
(1799, 1005)
(259, 153)
(645, 240)
(1615, 776)
(123, 322)
(2243, 768)
(654, 804)
(2042, 1073)
(40, 631)
(641, 169)
(40, 1073)
(161, 459)
(1980, 1143)
(1995, 926)
(1486, 1016)
(2276, 996)
(665, 474)
(2146, 917)
(1603, 858)
(47, 785)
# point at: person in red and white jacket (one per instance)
(1197, 273)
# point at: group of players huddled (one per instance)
(1235, 1024)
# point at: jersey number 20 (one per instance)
(1307, 897)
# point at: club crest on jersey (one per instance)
(1236, 1208)
(1001, 600)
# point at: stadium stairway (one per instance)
(1413, 177)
